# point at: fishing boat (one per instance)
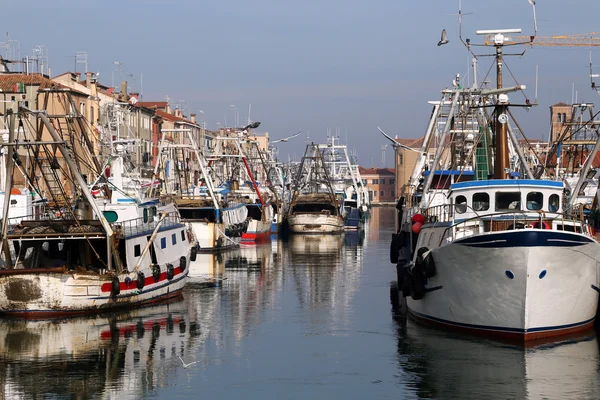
(498, 255)
(314, 208)
(239, 156)
(202, 205)
(75, 257)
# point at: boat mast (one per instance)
(501, 161)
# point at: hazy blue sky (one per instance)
(306, 65)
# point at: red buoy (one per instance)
(418, 218)
(416, 228)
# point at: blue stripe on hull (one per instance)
(499, 328)
(525, 238)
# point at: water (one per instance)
(308, 318)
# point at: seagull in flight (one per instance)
(287, 138)
(395, 144)
(443, 39)
(186, 365)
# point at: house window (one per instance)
(392, 193)
(92, 115)
(375, 181)
(382, 193)
(400, 159)
(392, 181)
(163, 243)
(508, 201)
(559, 116)
(182, 236)
(374, 193)
(383, 181)
(137, 250)
(174, 239)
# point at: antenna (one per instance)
(383, 147)
(81, 57)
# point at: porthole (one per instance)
(509, 274)
(542, 274)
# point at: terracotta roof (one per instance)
(153, 104)
(561, 104)
(376, 171)
(171, 117)
(8, 81)
(413, 143)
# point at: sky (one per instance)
(316, 66)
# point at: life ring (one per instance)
(170, 271)
(115, 288)
(182, 263)
(545, 225)
(156, 272)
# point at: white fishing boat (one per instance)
(315, 213)
(502, 257)
(314, 207)
(76, 258)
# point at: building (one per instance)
(406, 157)
(380, 183)
(560, 114)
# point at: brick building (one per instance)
(381, 184)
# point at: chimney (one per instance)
(77, 76)
(124, 89)
(134, 95)
(88, 79)
(193, 118)
(169, 109)
(178, 112)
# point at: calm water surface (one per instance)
(308, 318)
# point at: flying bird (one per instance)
(395, 144)
(187, 365)
(287, 138)
(444, 38)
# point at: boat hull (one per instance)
(210, 237)
(258, 231)
(51, 292)
(520, 285)
(315, 223)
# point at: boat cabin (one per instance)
(497, 196)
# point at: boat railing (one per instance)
(140, 226)
(503, 220)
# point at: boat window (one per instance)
(137, 250)
(508, 201)
(145, 215)
(535, 200)
(174, 239)
(582, 190)
(553, 203)
(182, 236)
(481, 201)
(110, 216)
(461, 204)
(163, 243)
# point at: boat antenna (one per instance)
(466, 42)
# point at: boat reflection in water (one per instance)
(438, 364)
(91, 356)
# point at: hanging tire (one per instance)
(116, 287)
(141, 280)
(407, 283)
(418, 289)
(156, 272)
(182, 263)
(395, 247)
(170, 271)
(193, 253)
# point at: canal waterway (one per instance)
(312, 317)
